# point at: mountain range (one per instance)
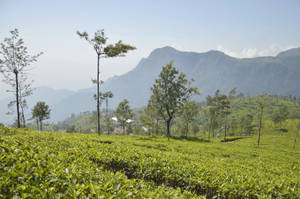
(211, 70)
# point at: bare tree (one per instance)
(14, 63)
(25, 90)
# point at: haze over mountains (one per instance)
(211, 71)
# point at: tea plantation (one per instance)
(59, 165)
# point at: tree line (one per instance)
(171, 101)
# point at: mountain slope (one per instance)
(212, 70)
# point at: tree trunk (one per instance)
(23, 115)
(212, 128)
(17, 99)
(106, 101)
(106, 114)
(209, 129)
(41, 125)
(156, 127)
(98, 100)
(23, 118)
(295, 140)
(260, 124)
(168, 128)
(225, 132)
(37, 125)
(187, 130)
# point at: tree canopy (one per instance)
(169, 93)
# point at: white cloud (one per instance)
(272, 50)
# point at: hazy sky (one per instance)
(239, 28)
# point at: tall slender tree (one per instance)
(105, 97)
(296, 132)
(212, 113)
(14, 63)
(261, 101)
(25, 90)
(188, 113)
(223, 105)
(98, 42)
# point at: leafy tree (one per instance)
(297, 132)
(129, 129)
(124, 113)
(109, 126)
(138, 130)
(218, 111)
(261, 102)
(276, 118)
(105, 97)
(98, 42)
(233, 124)
(246, 125)
(41, 112)
(71, 129)
(212, 113)
(147, 119)
(170, 91)
(150, 117)
(223, 110)
(280, 115)
(188, 114)
(14, 63)
(195, 128)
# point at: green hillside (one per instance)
(61, 165)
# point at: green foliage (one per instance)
(188, 113)
(139, 130)
(280, 115)
(246, 124)
(218, 111)
(170, 91)
(71, 129)
(151, 118)
(261, 101)
(129, 128)
(124, 113)
(109, 127)
(81, 166)
(41, 112)
(98, 42)
(57, 165)
(195, 128)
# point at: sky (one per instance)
(247, 28)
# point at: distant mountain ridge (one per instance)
(211, 70)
